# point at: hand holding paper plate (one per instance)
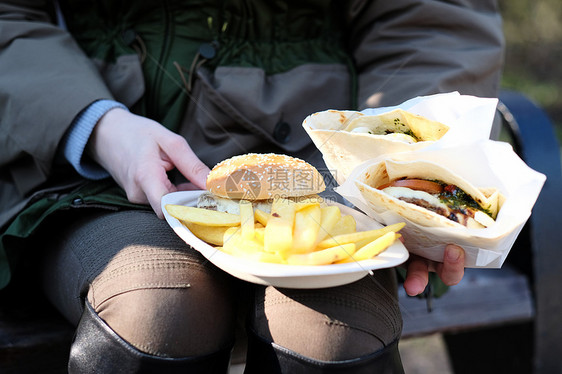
(261, 221)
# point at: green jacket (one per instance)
(232, 76)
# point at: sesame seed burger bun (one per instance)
(257, 176)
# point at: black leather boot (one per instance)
(98, 349)
(267, 357)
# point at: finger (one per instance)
(156, 184)
(451, 271)
(188, 164)
(416, 277)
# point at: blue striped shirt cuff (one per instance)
(78, 135)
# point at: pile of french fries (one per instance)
(294, 233)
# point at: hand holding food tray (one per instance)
(244, 227)
(462, 189)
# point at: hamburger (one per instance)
(428, 194)
(259, 178)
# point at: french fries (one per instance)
(355, 237)
(247, 219)
(279, 229)
(371, 249)
(307, 225)
(330, 217)
(210, 234)
(294, 233)
(345, 225)
(261, 216)
(323, 257)
(202, 216)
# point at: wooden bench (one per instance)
(494, 321)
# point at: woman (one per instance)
(108, 106)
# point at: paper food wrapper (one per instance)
(484, 164)
(469, 119)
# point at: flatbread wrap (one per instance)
(428, 194)
(398, 125)
(349, 138)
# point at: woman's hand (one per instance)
(451, 270)
(138, 153)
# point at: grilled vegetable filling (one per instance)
(444, 199)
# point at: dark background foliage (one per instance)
(533, 59)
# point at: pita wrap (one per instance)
(425, 211)
(398, 121)
(348, 138)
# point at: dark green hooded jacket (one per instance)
(231, 76)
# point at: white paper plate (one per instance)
(288, 276)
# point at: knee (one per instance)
(187, 320)
(330, 324)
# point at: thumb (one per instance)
(451, 271)
(188, 164)
(198, 174)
